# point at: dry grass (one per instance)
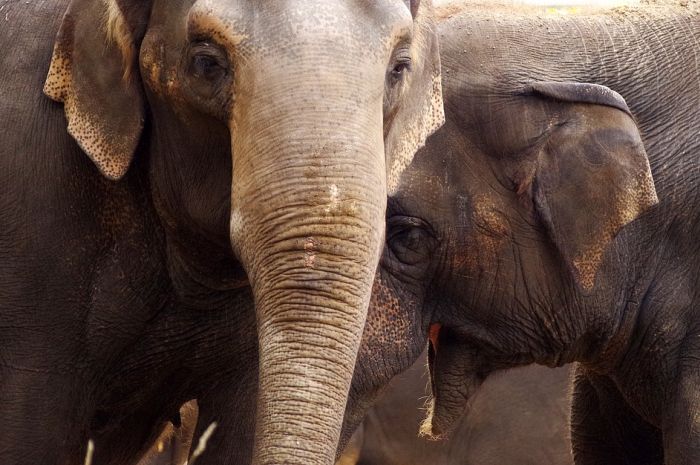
(90, 451)
(202, 443)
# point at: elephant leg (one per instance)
(682, 426)
(604, 430)
(230, 403)
(43, 417)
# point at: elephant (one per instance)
(554, 219)
(199, 179)
(517, 418)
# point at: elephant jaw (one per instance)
(454, 377)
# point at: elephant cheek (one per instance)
(392, 341)
(489, 233)
(393, 334)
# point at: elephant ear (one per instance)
(593, 174)
(421, 111)
(94, 73)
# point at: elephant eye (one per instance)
(207, 61)
(410, 239)
(400, 69)
(204, 66)
(401, 66)
(207, 77)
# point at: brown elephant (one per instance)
(554, 219)
(233, 143)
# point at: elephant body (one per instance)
(516, 418)
(190, 187)
(554, 219)
(82, 268)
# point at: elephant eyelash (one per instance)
(401, 64)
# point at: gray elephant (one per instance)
(210, 144)
(517, 418)
(552, 221)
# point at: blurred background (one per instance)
(562, 6)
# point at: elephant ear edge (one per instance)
(422, 113)
(93, 73)
(593, 176)
(580, 92)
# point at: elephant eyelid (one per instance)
(400, 67)
(206, 53)
(402, 55)
(403, 223)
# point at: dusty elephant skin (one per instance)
(529, 230)
(193, 147)
(519, 417)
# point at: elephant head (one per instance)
(271, 132)
(501, 237)
(511, 245)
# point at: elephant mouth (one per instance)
(456, 371)
(433, 345)
(459, 360)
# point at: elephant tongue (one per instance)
(453, 377)
(434, 336)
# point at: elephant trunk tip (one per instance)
(435, 427)
(426, 427)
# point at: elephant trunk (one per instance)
(308, 203)
(455, 375)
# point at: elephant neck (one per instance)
(656, 328)
(194, 215)
(573, 324)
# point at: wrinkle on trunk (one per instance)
(308, 205)
(310, 319)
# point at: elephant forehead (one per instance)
(487, 230)
(252, 27)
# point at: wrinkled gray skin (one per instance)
(528, 230)
(215, 143)
(519, 417)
